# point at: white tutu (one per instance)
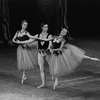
(27, 56)
(66, 61)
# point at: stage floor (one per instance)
(82, 84)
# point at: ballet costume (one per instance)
(64, 61)
(27, 57)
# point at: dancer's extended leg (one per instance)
(91, 58)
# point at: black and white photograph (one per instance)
(49, 50)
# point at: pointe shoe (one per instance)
(23, 79)
(55, 85)
(41, 86)
(96, 59)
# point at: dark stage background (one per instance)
(83, 16)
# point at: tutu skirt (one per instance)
(65, 61)
(27, 56)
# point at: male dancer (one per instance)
(43, 45)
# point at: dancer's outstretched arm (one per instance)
(91, 58)
(45, 39)
(27, 41)
(35, 36)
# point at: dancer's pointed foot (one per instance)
(23, 79)
(55, 84)
(41, 86)
(96, 59)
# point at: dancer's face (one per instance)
(45, 28)
(24, 25)
(63, 32)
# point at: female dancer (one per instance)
(26, 53)
(64, 58)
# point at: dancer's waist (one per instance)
(43, 51)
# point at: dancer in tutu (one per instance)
(64, 57)
(26, 51)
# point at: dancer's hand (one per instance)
(25, 45)
(18, 42)
(51, 50)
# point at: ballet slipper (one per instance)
(55, 84)
(23, 79)
(96, 59)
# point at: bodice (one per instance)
(22, 38)
(56, 45)
(42, 44)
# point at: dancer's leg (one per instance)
(41, 64)
(52, 78)
(91, 58)
(23, 77)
